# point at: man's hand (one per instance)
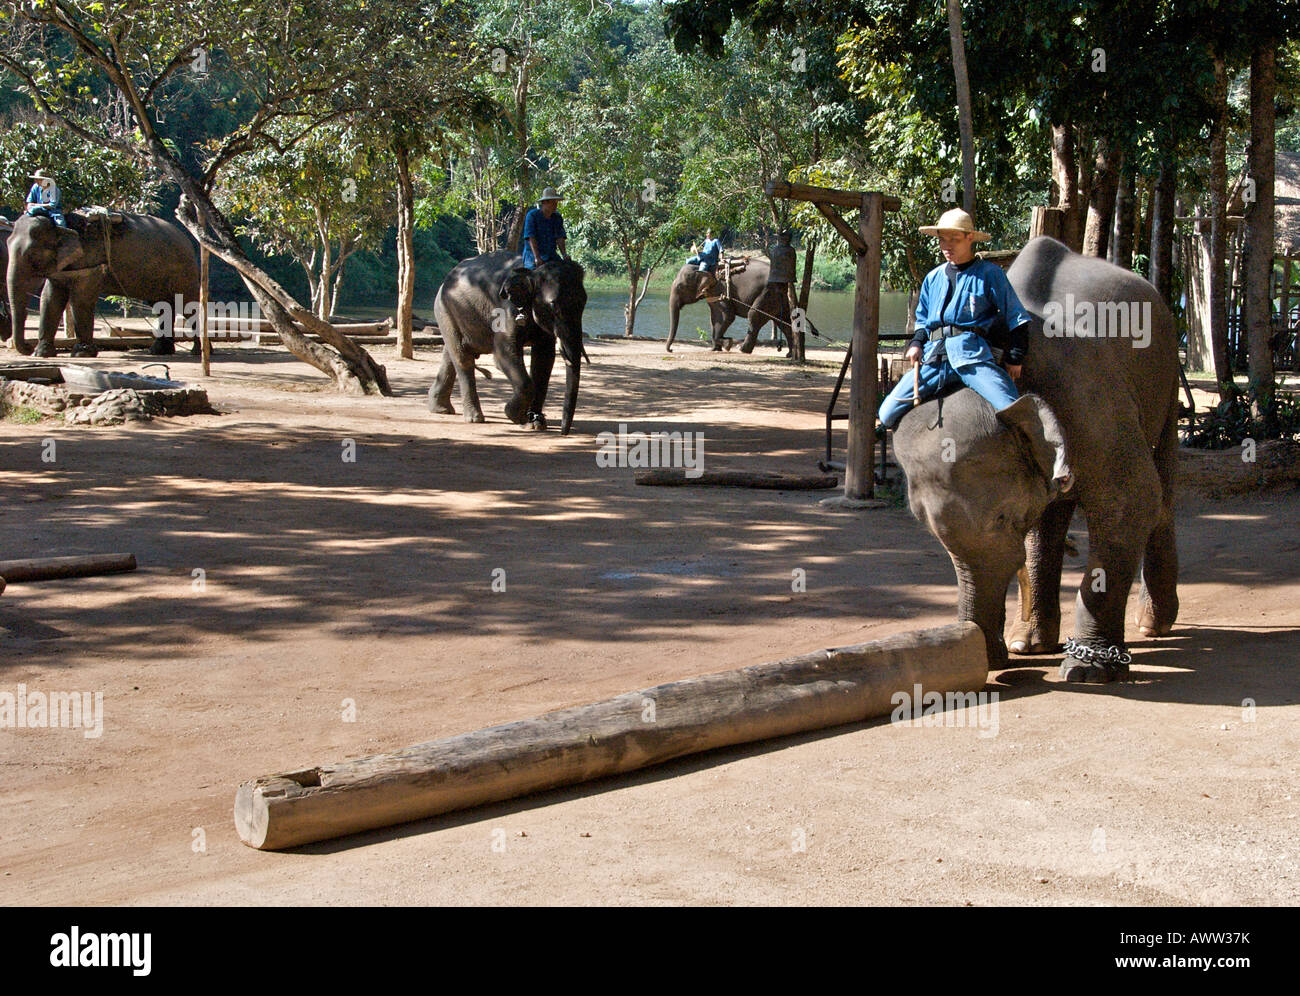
(1014, 371)
(913, 355)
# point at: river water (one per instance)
(830, 311)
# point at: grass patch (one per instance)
(22, 414)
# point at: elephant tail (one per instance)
(487, 374)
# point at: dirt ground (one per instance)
(371, 581)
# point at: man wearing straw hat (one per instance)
(45, 198)
(968, 323)
(544, 242)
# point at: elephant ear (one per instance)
(1030, 416)
(69, 249)
(517, 287)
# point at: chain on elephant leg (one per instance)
(1095, 661)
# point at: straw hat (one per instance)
(40, 174)
(550, 194)
(955, 220)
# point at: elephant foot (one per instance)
(474, 417)
(537, 422)
(1149, 622)
(517, 410)
(42, 349)
(746, 347)
(162, 346)
(1030, 638)
(728, 343)
(439, 404)
(79, 349)
(1094, 666)
(716, 349)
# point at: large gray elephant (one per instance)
(475, 312)
(747, 286)
(6, 326)
(145, 258)
(1099, 406)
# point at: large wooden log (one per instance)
(636, 730)
(55, 568)
(767, 480)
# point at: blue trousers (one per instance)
(986, 379)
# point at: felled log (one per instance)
(766, 480)
(56, 568)
(632, 731)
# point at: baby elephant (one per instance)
(491, 304)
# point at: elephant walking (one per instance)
(745, 300)
(1102, 369)
(475, 310)
(142, 257)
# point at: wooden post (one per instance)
(859, 482)
(815, 691)
(57, 568)
(206, 346)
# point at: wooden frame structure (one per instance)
(859, 481)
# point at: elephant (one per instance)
(146, 258)
(474, 311)
(747, 288)
(6, 325)
(1095, 428)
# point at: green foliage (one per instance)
(1232, 421)
(87, 174)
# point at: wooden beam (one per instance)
(765, 480)
(812, 692)
(56, 568)
(825, 195)
(859, 481)
(850, 236)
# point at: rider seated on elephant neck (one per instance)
(965, 311)
(45, 198)
(545, 241)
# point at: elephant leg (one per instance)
(83, 318)
(720, 318)
(759, 314)
(164, 337)
(440, 390)
(508, 353)
(541, 363)
(1038, 628)
(54, 301)
(1158, 602)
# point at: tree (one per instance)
(961, 79)
(319, 201)
(304, 63)
(617, 142)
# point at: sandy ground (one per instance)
(371, 581)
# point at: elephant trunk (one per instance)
(982, 599)
(18, 309)
(572, 374)
(674, 311)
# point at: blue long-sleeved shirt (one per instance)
(52, 198)
(981, 298)
(547, 232)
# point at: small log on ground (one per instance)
(55, 568)
(636, 730)
(767, 480)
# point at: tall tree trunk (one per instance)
(1218, 300)
(323, 301)
(1101, 205)
(1125, 204)
(1065, 185)
(1257, 265)
(1162, 230)
(522, 176)
(405, 253)
(964, 123)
